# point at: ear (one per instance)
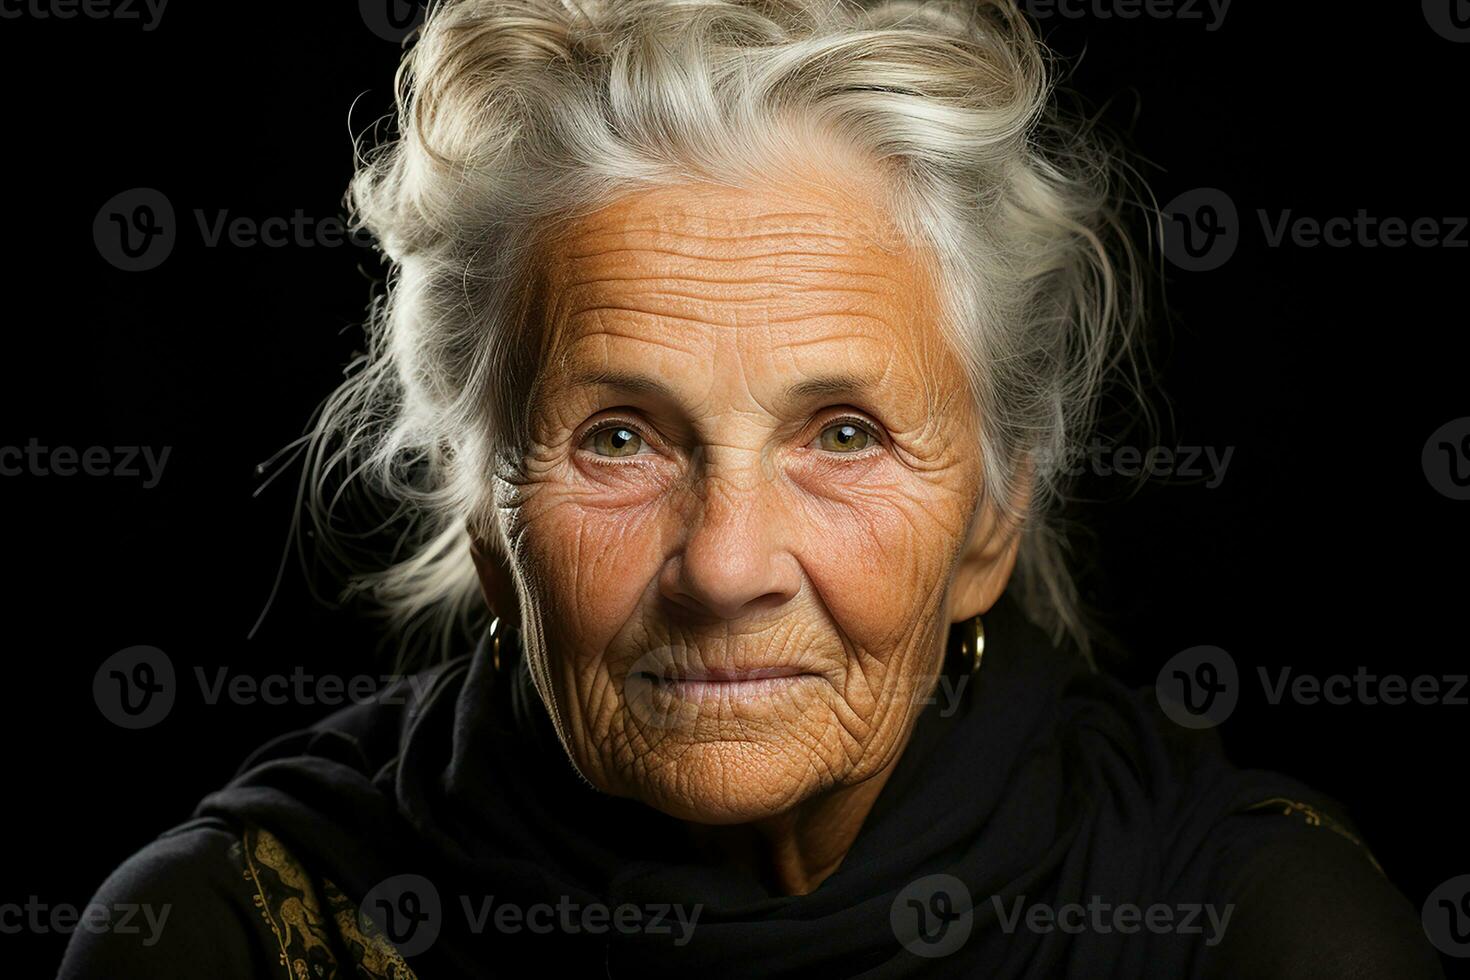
(988, 557)
(496, 582)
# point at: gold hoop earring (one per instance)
(972, 643)
(504, 645)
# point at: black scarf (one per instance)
(1049, 785)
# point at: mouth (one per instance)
(728, 684)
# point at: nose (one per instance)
(734, 560)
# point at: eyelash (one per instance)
(603, 427)
(861, 423)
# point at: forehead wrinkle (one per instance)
(646, 214)
(794, 278)
(840, 331)
(711, 257)
(600, 309)
(786, 301)
(652, 261)
(606, 242)
(725, 313)
(865, 378)
(701, 214)
(604, 333)
(832, 262)
(789, 283)
(791, 269)
(808, 280)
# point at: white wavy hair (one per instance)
(514, 116)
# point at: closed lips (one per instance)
(733, 676)
(725, 684)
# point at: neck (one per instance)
(795, 851)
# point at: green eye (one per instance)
(845, 437)
(616, 441)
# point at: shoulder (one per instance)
(178, 907)
(208, 900)
(221, 898)
(1307, 899)
(1305, 896)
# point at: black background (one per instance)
(1324, 548)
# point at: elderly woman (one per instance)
(727, 345)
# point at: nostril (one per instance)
(729, 584)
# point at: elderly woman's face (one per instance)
(747, 515)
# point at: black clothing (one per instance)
(1057, 824)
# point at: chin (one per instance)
(733, 782)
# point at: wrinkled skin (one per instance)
(720, 524)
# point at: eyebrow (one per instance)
(822, 386)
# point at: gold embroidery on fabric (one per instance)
(375, 955)
(1315, 818)
(289, 906)
(304, 933)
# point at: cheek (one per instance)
(592, 565)
(879, 557)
